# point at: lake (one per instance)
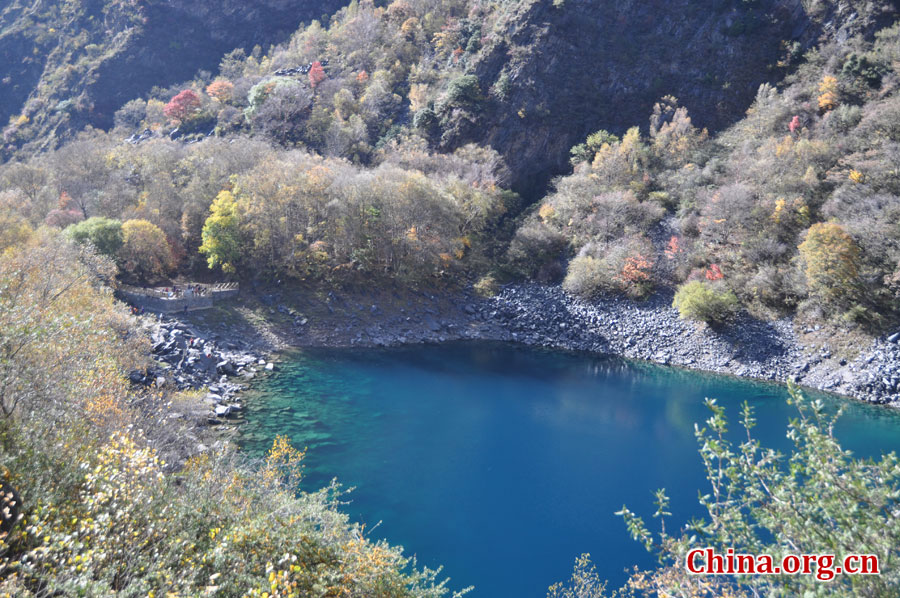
(504, 463)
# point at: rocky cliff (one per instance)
(572, 67)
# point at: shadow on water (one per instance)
(503, 462)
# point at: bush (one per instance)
(587, 276)
(762, 503)
(705, 302)
(131, 115)
(464, 91)
(487, 286)
(818, 499)
(106, 512)
(621, 267)
(536, 251)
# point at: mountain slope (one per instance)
(564, 69)
(67, 65)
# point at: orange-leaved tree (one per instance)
(220, 89)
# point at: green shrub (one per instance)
(103, 233)
(704, 302)
(464, 90)
(844, 118)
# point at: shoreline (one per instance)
(531, 314)
(652, 331)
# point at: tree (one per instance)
(55, 324)
(103, 233)
(832, 260)
(63, 218)
(145, 251)
(585, 152)
(283, 112)
(221, 233)
(183, 106)
(316, 74)
(828, 89)
(14, 229)
(221, 90)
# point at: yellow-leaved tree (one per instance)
(832, 261)
(145, 251)
(221, 233)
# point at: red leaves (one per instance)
(673, 248)
(714, 272)
(636, 269)
(316, 74)
(183, 105)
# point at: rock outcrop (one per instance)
(576, 66)
(192, 359)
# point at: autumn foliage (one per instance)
(714, 272)
(220, 89)
(673, 247)
(828, 90)
(832, 260)
(183, 106)
(636, 270)
(145, 251)
(101, 512)
(316, 74)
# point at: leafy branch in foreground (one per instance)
(819, 499)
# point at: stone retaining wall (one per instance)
(168, 306)
(218, 295)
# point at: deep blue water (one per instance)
(504, 463)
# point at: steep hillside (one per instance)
(64, 65)
(553, 72)
(795, 209)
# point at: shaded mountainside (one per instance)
(566, 69)
(67, 65)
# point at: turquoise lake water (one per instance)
(504, 463)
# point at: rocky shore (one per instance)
(651, 330)
(192, 358)
(224, 359)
